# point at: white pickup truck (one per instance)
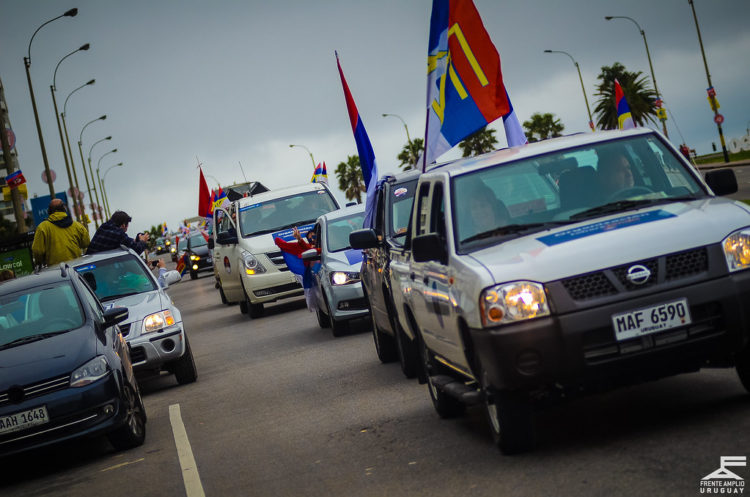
(250, 268)
(575, 264)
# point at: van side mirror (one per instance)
(722, 181)
(429, 247)
(363, 239)
(226, 238)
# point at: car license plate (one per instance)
(22, 420)
(651, 319)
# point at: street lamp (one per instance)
(27, 64)
(70, 149)
(308, 151)
(53, 89)
(83, 164)
(650, 65)
(408, 138)
(585, 99)
(711, 94)
(104, 190)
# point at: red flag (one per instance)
(204, 197)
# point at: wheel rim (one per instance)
(493, 414)
(132, 414)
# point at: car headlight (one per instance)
(344, 277)
(93, 370)
(513, 302)
(157, 321)
(252, 265)
(173, 249)
(737, 250)
(195, 258)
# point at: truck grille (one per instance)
(124, 328)
(18, 394)
(612, 281)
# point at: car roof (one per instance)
(101, 256)
(47, 276)
(506, 155)
(280, 193)
(344, 212)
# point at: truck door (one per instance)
(226, 256)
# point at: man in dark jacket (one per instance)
(112, 234)
(58, 238)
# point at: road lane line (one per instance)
(117, 466)
(190, 476)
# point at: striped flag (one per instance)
(624, 118)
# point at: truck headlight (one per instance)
(252, 265)
(511, 302)
(344, 277)
(737, 250)
(93, 370)
(195, 258)
(157, 321)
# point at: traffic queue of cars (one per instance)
(92, 328)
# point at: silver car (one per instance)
(337, 289)
(154, 329)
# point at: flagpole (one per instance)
(424, 151)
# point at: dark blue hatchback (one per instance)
(65, 369)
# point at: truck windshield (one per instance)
(286, 212)
(117, 277)
(337, 231)
(565, 187)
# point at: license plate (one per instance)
(651, 319)
(22, 420)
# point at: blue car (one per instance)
(65, 369)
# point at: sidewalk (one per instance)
(717, 165)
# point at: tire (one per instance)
(223, 297)
(193, 275)
(511, 421)
(743, 368)
(385, 345)
(446, 406)
(255, 311)
(408, 354)
(133, 432)
(184, 368)
(324, 321)
(339, 328)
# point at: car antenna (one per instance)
(243, 171)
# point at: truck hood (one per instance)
(140, 305)
(612, 240)
(344, 260)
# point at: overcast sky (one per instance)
(228, 82)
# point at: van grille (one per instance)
(278, 260)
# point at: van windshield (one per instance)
(286, 212)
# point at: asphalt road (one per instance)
(281, 408)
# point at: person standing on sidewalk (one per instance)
(58, 238)
(111, 234)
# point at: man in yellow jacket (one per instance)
(58, 238)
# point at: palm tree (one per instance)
(350, 178)
(543, 126)
(638, 93)
(410, 154)
(479, 143)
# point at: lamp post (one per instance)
(308, 151)
(27, 64)
(585, 99)
(711, 94)
(83, 165)
(408, 138)
(650, 65)
(104, 190)
(89, 158)
(53, 89)
(70, 149)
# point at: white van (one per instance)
(250, 267)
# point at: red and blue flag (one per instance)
(624, 117)
(465, 90)
(15, 179)
(364, 149)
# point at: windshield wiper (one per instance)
(513, 228)
(29, 339)
(624, 205)
(115, 297)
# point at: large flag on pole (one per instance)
(204, 196)
(624, 117)
(465, 89)
(364, 148)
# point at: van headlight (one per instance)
(344, 277)
(157, 321)
(737, 250)
(93, 370)
(511, 302)
(252, 265)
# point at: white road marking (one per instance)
(121, 465)
(190, 476)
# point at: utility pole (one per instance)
(9, 159)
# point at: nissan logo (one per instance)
(638, 274)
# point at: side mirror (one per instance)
(115, 315)
(429, 247)
(363, 239)
(211, 243)
(225, 238)
(172, 277)
(722, 181)
(310, 255)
